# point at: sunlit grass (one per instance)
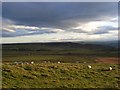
(63, 75)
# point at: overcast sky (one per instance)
(56, 22)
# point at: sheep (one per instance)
(32, 62)
(110, 68)
(26, 63)
(16, 63)
(77, 61)
(44, 61)
(84, 62)
(58, 61)
(48, 61)
(20, 63)
(89, 66)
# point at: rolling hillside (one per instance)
(63, 51)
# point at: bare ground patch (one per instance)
(110, 60)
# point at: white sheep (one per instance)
(21, 63)
(84, 62)
(58, 62)
(48, 61)
(16, 63)
(110, 68)
(77, 61)
(44, 61)
(26, 63)
(89, 66)
(32, 62)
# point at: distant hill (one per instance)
(114, 43)
(60, 46)
(55, 51)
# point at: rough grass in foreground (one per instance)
(63, 75)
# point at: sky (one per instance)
(59, 21)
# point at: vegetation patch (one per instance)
(64, 75)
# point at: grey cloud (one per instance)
(20, 32)
(100, 30)
(58, 15)
(105, 29)
(61, 15)
(77, 30)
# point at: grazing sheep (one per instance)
(20, 63)
(77, 61)
(44, 61)
(16, 63)
(26, 63)
(32, 62)
(58, 62)
(48, 61)
(89, 66)
(84, 62)
(110, 68)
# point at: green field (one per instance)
(63, 75)
(46, 72)
(64, 52)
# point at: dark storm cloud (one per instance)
(57, 15)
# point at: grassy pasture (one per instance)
(63, 75)
(67, 74)
(51, 58)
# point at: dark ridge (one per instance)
(62, 44)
